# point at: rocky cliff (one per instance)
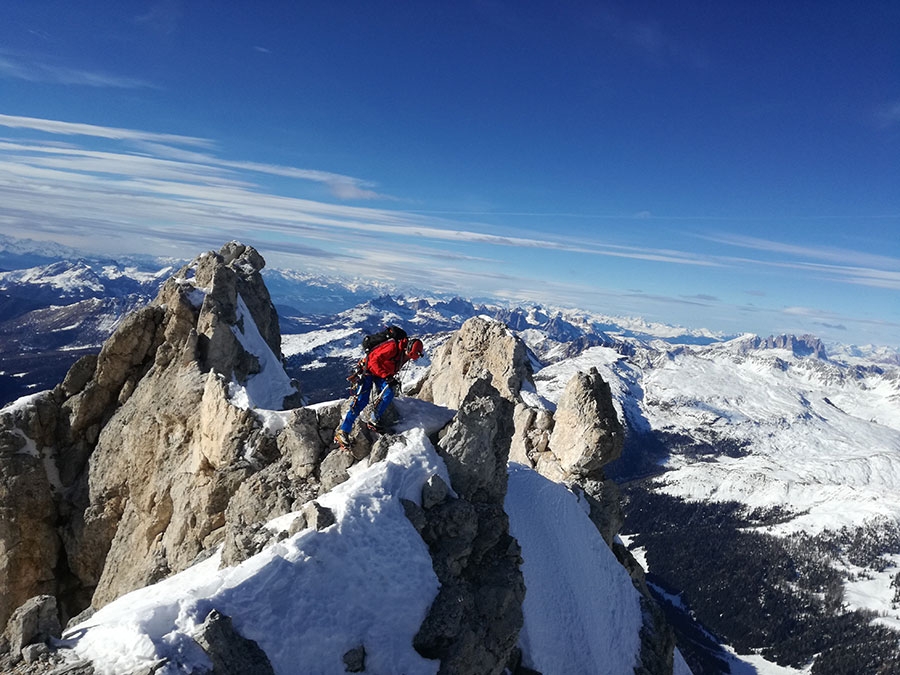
(121, 474)
(569, 445)
(150, 455)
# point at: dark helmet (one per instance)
(415, 349)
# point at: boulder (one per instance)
(355, 660)
(230, 652)
(481, 348)
(587, 433)
(35, 621)
(317, 516)
(301, 441)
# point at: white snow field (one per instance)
(809, 436)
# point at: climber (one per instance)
(377, 370)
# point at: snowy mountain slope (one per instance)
(368, 580)
(269, 387)
(83, 279)
(582, 614)
(818, 438)
(18, 253)
(50, 311)
(306, 600)
(799, 438)
(306, 294)
(815, 441)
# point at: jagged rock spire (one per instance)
(474, 622)
(482, 347)
(142, 441)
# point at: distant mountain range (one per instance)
(771, 464)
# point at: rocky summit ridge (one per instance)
(151, 455)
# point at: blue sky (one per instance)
(734, 166)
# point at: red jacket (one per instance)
(386, 359)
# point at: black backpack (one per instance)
(374, 339)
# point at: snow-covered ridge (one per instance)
(368, 579)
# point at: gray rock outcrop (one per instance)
(481, 348)
(474, 622)
(36, 621)
(586, 433)
(570, 445)
(230, 652)
(122, 474)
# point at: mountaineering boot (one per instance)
(377, 425)
(342, 439)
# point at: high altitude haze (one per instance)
(733, 166)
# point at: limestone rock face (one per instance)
(480, 348)
(125, 357)
(175, 449)
(29, 543)
(127, 467)
(474, 622)
(587, 433)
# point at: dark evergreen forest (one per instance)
(779, 597)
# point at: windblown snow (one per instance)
(583, 615)
(267, 388)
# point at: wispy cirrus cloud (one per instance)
(171, 176)
(833, 263)
(827, 318)
(113, 133)
(36, 71)
(804, 251)
(861, 276)
(112, 187)
(162, 148)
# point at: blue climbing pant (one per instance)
(361, 399)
